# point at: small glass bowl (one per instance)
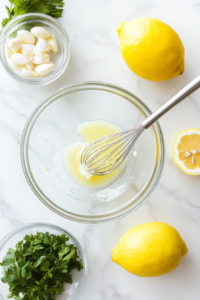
(60, 59)
(52, 128)
(72, 291)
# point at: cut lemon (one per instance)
(186, 151)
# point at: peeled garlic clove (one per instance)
(53, 44)
(29, 73)
(40, 58)
(9, 53)
(40, 32)
(19, 59)
(28, 49)
(14, 66)
(14, 45)
(26, 37)
(29, 57)
(44, 69)
(42, 45)
(30, 66)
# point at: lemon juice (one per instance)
(90, 131)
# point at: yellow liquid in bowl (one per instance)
(90, 131)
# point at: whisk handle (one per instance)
(186, 91)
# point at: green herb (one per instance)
(53, 8)
(39, 266)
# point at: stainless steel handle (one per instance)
(186, 91)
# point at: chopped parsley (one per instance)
(39, 266)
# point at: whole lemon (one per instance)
(150, 249)
(151, 49)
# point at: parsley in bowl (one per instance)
(45, 261)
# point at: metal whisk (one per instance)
(104, 155)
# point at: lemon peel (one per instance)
(150, 249)
(151, 49)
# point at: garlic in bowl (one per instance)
(31, 50)
(26, 37)
(35, 49)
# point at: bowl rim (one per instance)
(87, 85)
(41, 81)
(74, 240)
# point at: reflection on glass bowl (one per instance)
(52, 128)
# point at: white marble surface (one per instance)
(91, 26)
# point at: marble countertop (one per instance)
(91, 26)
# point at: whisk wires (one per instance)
(106, 154)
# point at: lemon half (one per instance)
(186, 151)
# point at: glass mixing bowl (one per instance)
(72, 291)
(52, 128)
(60, 59)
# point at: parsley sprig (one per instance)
(39, 266)
(53, 8)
